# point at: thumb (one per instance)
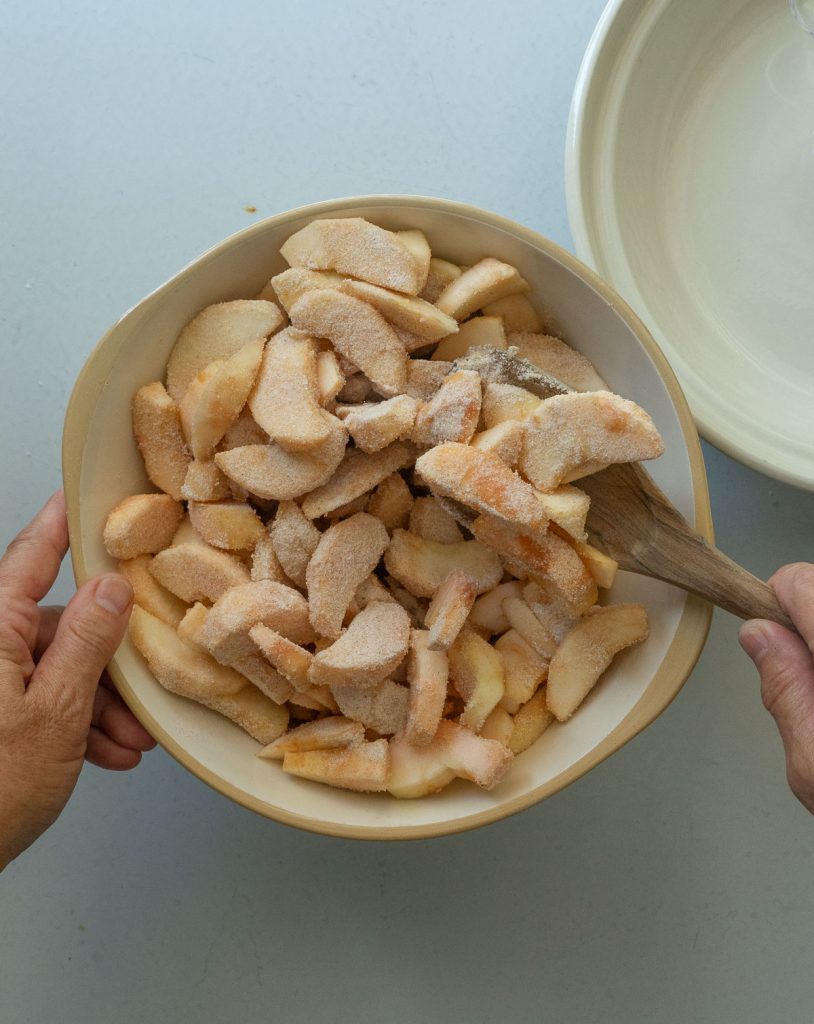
(786, 669)
(89, 631)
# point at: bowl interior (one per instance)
(102, 465)
(690, 167)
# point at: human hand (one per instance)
(785, 661)
(53, 712)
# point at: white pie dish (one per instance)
(689, 169)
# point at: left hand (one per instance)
(54, 713)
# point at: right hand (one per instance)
(785, 661)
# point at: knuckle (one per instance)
(21, 541)
(88, 635)
(776, 679)
(795, 582)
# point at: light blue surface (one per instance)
(672, 884)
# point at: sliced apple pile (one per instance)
(371, 560)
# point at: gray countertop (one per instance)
(674, 882)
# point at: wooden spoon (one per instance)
(632, 520)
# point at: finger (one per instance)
(49, 620)
(794, 586)
(105, 753)
(90, 630)
(32, 560)
(112, 717)
(786, 678)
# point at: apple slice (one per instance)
(546, 558)
(229, 525)
(523, 620)
(353, 246)
(423, 565)
(382, 708)
(452, 413)
(349, 509)
(487, 615)
(265, 564)
(530, 722)
(440, 274)
(375, 425)
(556, 358)
(188, 672)
(290, 660)
(483, 282)
(368, 591)
(430, 521)
(204, 482)
(372, 646)
(323, 734)
(217, 332)
(476, 670)
(295, 539)
(505, 440)
(425, 377)
(330, 379)
(405, 311)
(215, 398)
(568, 436)
(269, 471)
(141, 524)
(602, 567)
(480, 330)
(482, 481)
(358, 474)
(345, 556)
(187, 534)
(472, 757)
(149, 594)
(283, 609)
(356, 387)
(391, 502)
(568, 507)
(359, 332)
(587, 651)
(419, 248)
(525, 670)
(267, 679)
(415, 607)
(197, 572)
(416, 771)
(449, 608)
(498, 726)
(285, 399)
(555, 614)
(506, 402)
(189, 628)
(242, 432)
(315, 698)
(363, 767)
(295, 282)
(427, 675)
(517, 313)
(157, 429)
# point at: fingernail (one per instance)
(754, 641)
(114, 594)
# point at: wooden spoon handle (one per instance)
(696, 566)
(634, 521)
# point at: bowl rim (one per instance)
(586, 154)
(679, 659)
